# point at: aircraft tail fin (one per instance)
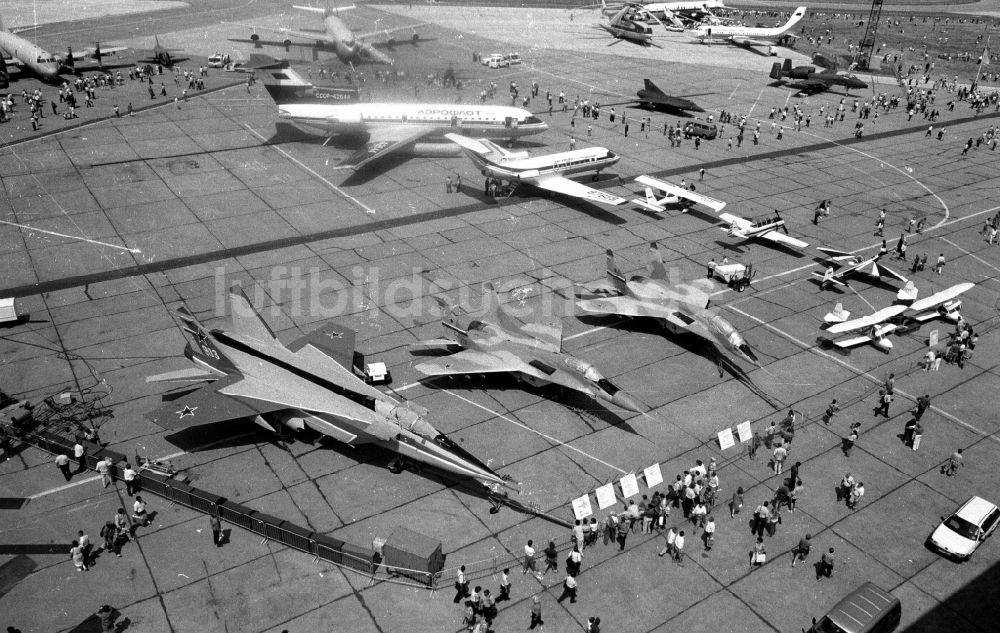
(495, 310)
(775, 71)
(651, 86)
(797, 16)
(651, 197)
(615, 276)
(281, 82)
(204, 345)
(787, 66)
(657, 269)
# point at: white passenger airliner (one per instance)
(749, 36)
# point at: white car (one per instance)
(513, 59)
(496, 60)
(960, 534)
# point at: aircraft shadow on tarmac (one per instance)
(742, 248)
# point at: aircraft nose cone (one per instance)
(626, 402)
(748, 353)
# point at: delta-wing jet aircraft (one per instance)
(848, 265)
(877, 326)
(748, 36)
(391, 127)
(672, 195)
(336, 37)
(811, 81)
(499, 343)
(681, 308)
(546, 171)
(24, 53)
(252, 375)
(652, 98)
(771, 228)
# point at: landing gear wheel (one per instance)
(742, 285)
(396, 466)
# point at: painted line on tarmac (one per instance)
(67, 486)
(859, 372)
(528, 428)
(314, 173)
(73, 237)
(971, 254)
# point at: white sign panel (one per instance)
(933, 340)
(653, 475)
(726, 439)
(744, 431)
(581, 507)
(630, 487)
(606, 496)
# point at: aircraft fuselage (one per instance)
(34, 57)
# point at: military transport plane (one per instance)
(811, 81)
(252, 375)
(877, 326)
(672, 195)
(545, 172)
(652, 98)
(391, 127)
(748, 36)
(499, 343)
(679, 307)
(338, 38)
(849, 265)
(771, 228)
(26, 54)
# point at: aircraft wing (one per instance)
(743, 40)
(811, 85)
(364, 36)
(833, 253)
(867, 321)
(383, 141)
(680, 192)
(470, 361)
(740, 224)
(322, 10)
(627, 306)
(853, 342)
(938, 298)
(189, 374)
(781, 238)
(90, 51)
(836, 279)
(206, 405)
(569, 187)
(880, 270)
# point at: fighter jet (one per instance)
(160, 54)
(849, 265)
(811, 80)
(879, 325)
(652, 98)
(679, 307)
(339, 39)
(252, 375)
(544, 172)
(498, 343)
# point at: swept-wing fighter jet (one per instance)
(652, 98)
(672, 195)
(336, 37)
(679, 307)
(877, 326)
(546, 171)
(252, 375)
(748, 36)
(848, 264)
(499, 343)
(771, 228)
(160, 54)
(811, 81)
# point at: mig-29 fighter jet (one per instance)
(679, 307)
(849, 265)
(309, 383)
(499, 343)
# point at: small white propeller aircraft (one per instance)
(771, 228)
(672, 195)
(848, 264)
(877, 326)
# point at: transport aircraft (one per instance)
(22, 52)
(672, 195)
(652, 98)
(679, 307)
(771, 228)
(545, 172)
(390, 127)
(336, 37)
(879, 325)
(750, 36)
(848, 265)
(811, 80)
(252, 375)
(498, 343)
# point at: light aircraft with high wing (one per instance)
(750, 36)
(252, 375)
(672, 195)
(498, 343)
(391, 127)
(22, 52)
(679, 307)
(771, 228)
(879, 325)
(336, 37)
(546, 172)
(847, 265)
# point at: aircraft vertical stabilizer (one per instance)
(615, 275)
(495, 311)
(656, 268)
(207, 352)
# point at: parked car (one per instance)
(867, 609)
(706, 131)
(496, 60)
(961, 534)
(514, 59)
